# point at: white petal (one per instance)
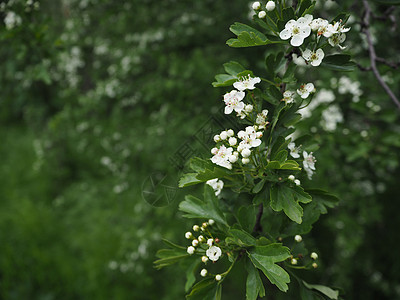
(297, 40)
(228, 110)
(239, 85)
(285, 34)
(307, 54)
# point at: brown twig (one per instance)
(372, 54)
(258, 227)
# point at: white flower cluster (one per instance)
(303, 91)
(12, 20)
(216, 184)
(298, 30)
(226, 155)
(309, 163)
(233, 99)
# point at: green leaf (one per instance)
(207, 289)
(288, 14)
(286, 198)
(189, 179)
(173, 245)
(254, 285)
(233, 68)
(242, 238)
(339, 62)
(168, 257)
(207, 209)
(258, 187)
(247, 217)
(323, 199)
(265, 259)
(327, 291)
(247, 36)
(280, 144)
(281, 156)
(304, 5)
(190, 274)
(224, 80)
(290, 165)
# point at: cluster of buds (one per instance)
(270, 6)
(292, 178)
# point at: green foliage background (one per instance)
(97, 95)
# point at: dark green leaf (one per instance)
(207, 289)
(247, 217)
(242, 238)
(327, 291)
(233, 68)
(247, 36)
(254, 285)
(190, 274)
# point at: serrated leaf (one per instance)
(188, 179)
(247, 217)
(265, 259)
(339, 62)
(323, 199)
(190, 274)
(205, 209)
(254, 285)
(223, 80)
(168, 257)
(258, 187)
(286, 198)
(290, 165)
(242, 238)
(207, 289)
(280, 156)
(327, 291)
(233, 68)
(247, 36)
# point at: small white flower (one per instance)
(214, 151)
(213, 253)
(188, 235)
(222, 156)
(265, 112)
(305, 90)
(190, 250)
(256, 5)
(294, 261)
(232, 141)
(203, 273)
(196, 227)
(218, 277)
(217, 138)
(270, 6)
(195, 243)
(309, 163)
(211, 222)
(248, 108)
(296, 30)
(298, 238)
(337, 39)
(314, 255)
(291, 177)
(204, 259)
(201, 239)
(233, 101)
(262, 14)
(12, 20)
(230, 132)
(313, 58)
(318, 23)
(246, 83)
(294, 151)
(245, 161)
(210, 242)
(233, 158)
(297, 182)
(288, 97)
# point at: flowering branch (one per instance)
(372, 54)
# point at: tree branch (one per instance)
(372, 54)
(258, 227)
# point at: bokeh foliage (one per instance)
(97, 95)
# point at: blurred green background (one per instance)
(98, 96)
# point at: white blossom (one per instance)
(298, 238)
(256, 5)
(196, 227)
(291, 177)
(249, 137)
(294, 151)
(314, 255)
(297, 182)
(218, 277)
(232, 141)
(270, 6)
(246, 83)
(213, 253)
(262, 14)
(318, 23)
(305, 90)
(298, 60)
(246, 152)
(248, 108)
(12, 20)
(210, 242)
(222, 156)
(233, 101)
(190, 250)
(337, 39)
(313, 57)
(294, 261)
(188, 235)
(296, 30)
(195, 243)
(216, 184)
(245, 160)
(211, 222)
(204, 259)
(288, 97)
(230, 132)
(309, 163)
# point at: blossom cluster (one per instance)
(270, 6)
(308, 161)
(298, 30)
(204, 244)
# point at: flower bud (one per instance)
(218, 277)
(196, 227)
(245, 161)
(201, 239)
(233, 158)
(246, 152)
(203, 273)
(315, 265)
(262, 14)
(297, 182)
(217, 138)
(214, 151)
(314, 255)
(298, 238)
(230, 132)
(211, 222)
(291, 177)
(294, 261)
(204, 259)
(223, 135)
(236, 153)
(232, 141)
(265, 112)
(256, 5)
(190, 250)
(259, 134)
(210, 242)
(270, 6)
(188, 235)
(204, 225)
(195, 243)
